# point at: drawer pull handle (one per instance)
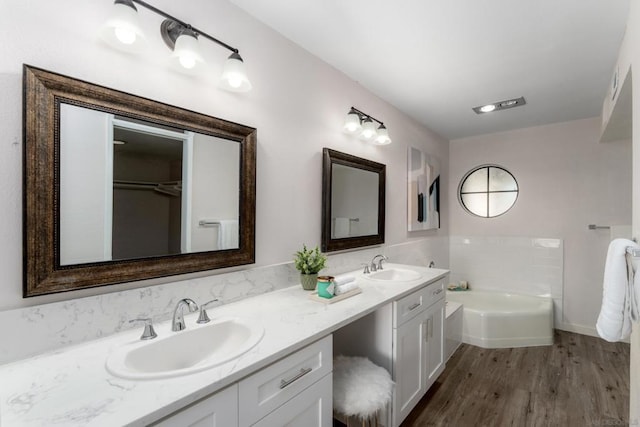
(414, 306)
(436, 292)
(302, 373)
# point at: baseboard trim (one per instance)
(582, 330)
(578, 329)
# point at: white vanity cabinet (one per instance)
(418, 346)
(295, 391)
(409, 369)
(217, 410)
(406, 337)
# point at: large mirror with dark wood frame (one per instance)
(119, 188)
(353, 201)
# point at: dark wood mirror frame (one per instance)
(329, 158)
(43, 274)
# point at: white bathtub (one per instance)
(501, 320)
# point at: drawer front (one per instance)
(218, 410)
(311, 408)
(434, 292)
(271, 387)
(405, 308)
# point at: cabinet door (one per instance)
(311, 408)
(435, 342)
(409, 367)
(219, 410)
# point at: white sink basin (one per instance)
(194, 349)
(394, 275)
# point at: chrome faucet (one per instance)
(178, 316)
(378, 266)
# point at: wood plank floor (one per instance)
(579, 381)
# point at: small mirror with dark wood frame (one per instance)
(353, 201)
(119, 188)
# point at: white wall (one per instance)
(630, 57)
(298, 105)
(216, 179)
(85, 137)
(567, 180)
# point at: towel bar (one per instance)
(634, 252)
(207, 223)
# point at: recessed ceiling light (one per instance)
(118, 142)
(500, 105)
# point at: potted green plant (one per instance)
(309, 262)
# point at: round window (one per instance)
(488, 191)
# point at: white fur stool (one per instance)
(361, 390)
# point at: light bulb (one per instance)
(487, 108)
(235, 81)
(125, 35)
(187, 61)
(368, 133)
(351, 127)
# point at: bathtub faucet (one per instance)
(378, 266)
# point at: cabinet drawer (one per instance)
(217, 410)
(266, 390)
(434, 292)
(405, 308)
(311, 408)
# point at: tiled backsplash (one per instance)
(524, 265)
(47, 327)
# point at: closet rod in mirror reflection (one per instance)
(598, 227)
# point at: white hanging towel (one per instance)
(619, 303)
(341, 228)
(228, 234)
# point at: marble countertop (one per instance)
(71, 386)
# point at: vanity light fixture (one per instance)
(501, 105)
(367, 127)
(123, 32)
